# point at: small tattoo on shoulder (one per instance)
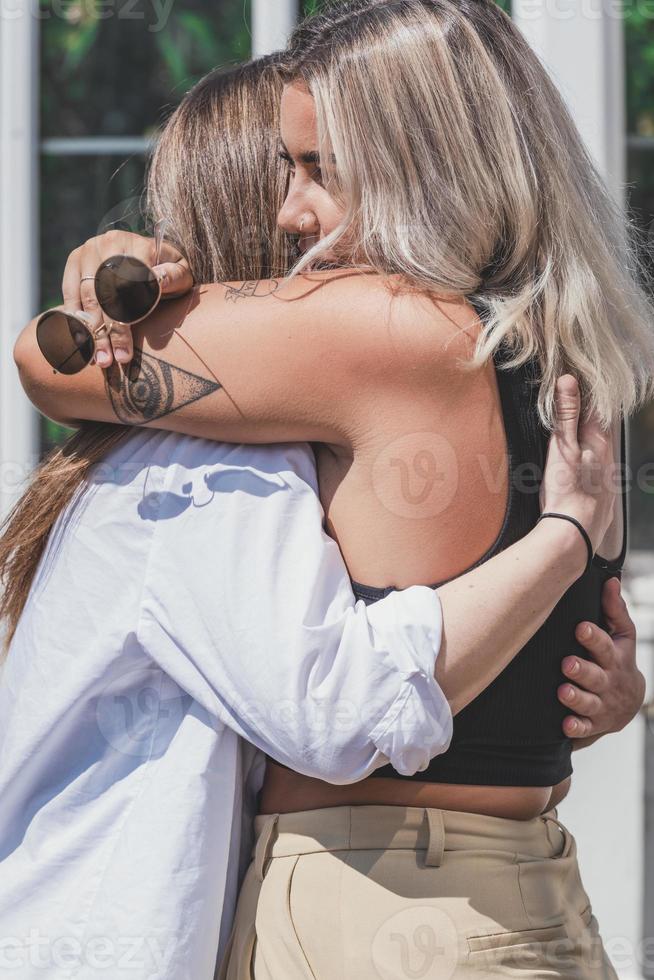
(252, 289)
(151, 388)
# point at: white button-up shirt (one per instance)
(190, 615)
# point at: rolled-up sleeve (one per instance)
(248, 606)
(418, 723)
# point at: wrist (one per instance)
(564, 544)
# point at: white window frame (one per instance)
(272, 23)
(19, 258)
(20, 150)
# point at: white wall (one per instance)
(605, 809)
(18, 238)
(582, 44)
(272, 23)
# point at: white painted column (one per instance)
(19, 61)
(581, 42)
(272, 24)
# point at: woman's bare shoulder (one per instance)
(429, 322)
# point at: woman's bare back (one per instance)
(424, 494)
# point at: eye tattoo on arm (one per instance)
(151, 388)
(253, 289)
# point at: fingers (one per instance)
(88, 265)
(112, 340)
(94, 317)
(594, 436)
(585, 674)
(71, 283)
(583, 696)
(568, 409)
(122, 342)
(575, 727)
(616, 611)
(80, 297)
(78, 287)
(598, 643)
(176, 278)
(581, 702)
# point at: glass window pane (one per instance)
(115, 68)
(82, 196)
(110, 66)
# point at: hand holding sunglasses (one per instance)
(110, 283)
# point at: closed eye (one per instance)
(288, 160)
(285, 157)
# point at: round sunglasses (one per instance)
(127, 291)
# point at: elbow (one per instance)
(339, 764)
(35, 376)
(26, 359)
(334, 770)
(22, 346)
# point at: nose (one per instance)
(296, 218)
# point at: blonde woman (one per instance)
(431, 156)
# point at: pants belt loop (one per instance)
(568, 839)
(436, 841)
(263, 845)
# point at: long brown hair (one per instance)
(214, 177)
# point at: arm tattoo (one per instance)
(251, 289)
(151, 388)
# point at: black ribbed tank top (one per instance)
(511, 734)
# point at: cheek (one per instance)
(330, 214)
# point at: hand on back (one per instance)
(578, 478)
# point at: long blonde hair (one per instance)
(459, 168)
(214, 177)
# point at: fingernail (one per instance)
(585, 632)
(574, 725)
(570, 694)
(121, 354)
(572, 668)
(102, 358)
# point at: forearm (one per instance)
(206, 366)
(490, 613)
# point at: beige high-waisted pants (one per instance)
(402, 893)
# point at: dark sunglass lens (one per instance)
(127, 290)
(64, 341)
